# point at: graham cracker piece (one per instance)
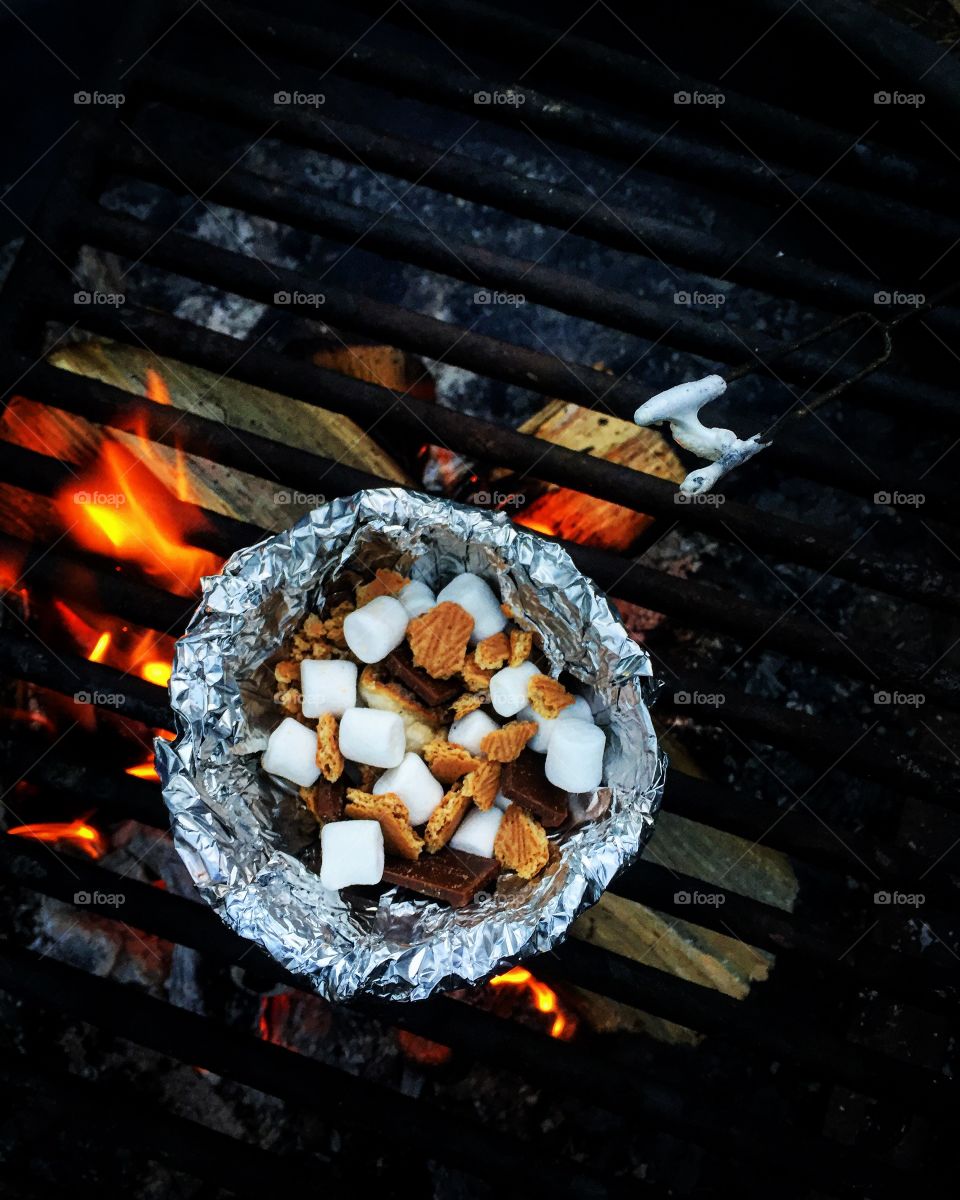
(447, 761)
(445, 818)
(507, 611)
(313, 626)
(329, 758)
(318, 648)
(384, 583)
(474, 676)
(548, 697)
(290, 700)
(333, 625)
(482, 784)
(521, 643)
(504, 745)
(467, 703)
(287, 671)
(521, 843)
(438, 639)
(492, 652)
(399, 836)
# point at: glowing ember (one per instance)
(271, 1020)
(76, 833)
(422, 1051)
(144, 770)
(538, 526)
(100, 649)
(156, 672)
(545, 1000)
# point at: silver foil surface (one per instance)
(244, 835)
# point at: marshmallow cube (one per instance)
(470, 730)
(578, 710)
(575, 757)
(372, 736)
(476, 832)
(415, 786)
(502, 802)
(416, 598)
(328, 686)
(291, 753)
(478, 598)
(351, 854)
(373, 631)
(508, 688)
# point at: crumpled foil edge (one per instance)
(224, 809)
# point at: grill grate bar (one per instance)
(553, 117)
(458, 174)
(608, 71)
(820, 1054)
(111, 1116)
(465, 1029)
(815, 738)
(712, 607)
(294, 1078)
(617, 227)
(366, 403)
(411, 242)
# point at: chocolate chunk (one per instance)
(524, 782)
(325, 800)
(449, 875)
(433, 692)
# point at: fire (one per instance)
(76, 833)
(545, 1000)
(122, 510)
(156, 671)
(100, 649)
(122, 507)
(156, 388)
(272, 1017)
(144, 770)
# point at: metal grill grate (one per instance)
(902, 202)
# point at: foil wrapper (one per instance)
(244, 835)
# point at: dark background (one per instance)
(64, 50)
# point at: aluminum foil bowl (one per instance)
(244, 836)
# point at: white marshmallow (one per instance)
(415, 786)
(416, 598)
(373, 631)
(575, 757)
(476, 832)
(470, 730)
(478, 598)
(508, 688)
(372, 737)
(328, 686)
(502, 802)
(351, 854)
(291, 753)
(579, 710)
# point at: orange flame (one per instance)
(156, 388)
(123, 511)
(120, 507)
(76, 833)
(100, 649)
(545, 1000)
